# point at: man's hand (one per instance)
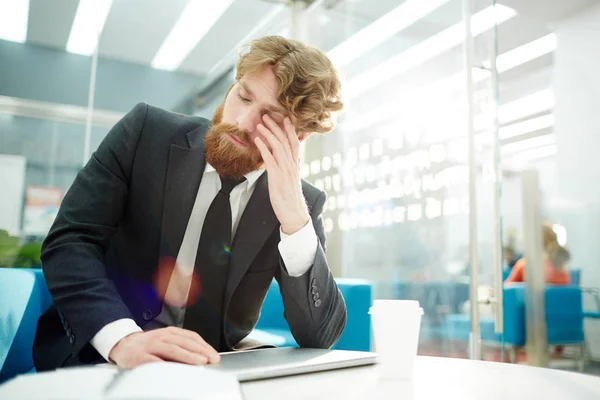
(282, 163)
(165, 344)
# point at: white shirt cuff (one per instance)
(298, 250)
(110, 334)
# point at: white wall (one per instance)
(576, 87)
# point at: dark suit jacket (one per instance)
(127, 212)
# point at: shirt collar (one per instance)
(251, 177)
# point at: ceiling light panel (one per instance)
(382, 29)
(195, 21)
(530, 125)
(527, 52)
(87, 26)
(527, 156)
(14, 15)
(427, 49)
(528, 144)
(529, 105)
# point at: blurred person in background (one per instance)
(511, 257)
(168, 240)
(509, 252)
(555, 260)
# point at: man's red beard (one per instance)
(229, 160)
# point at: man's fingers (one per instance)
(278, 132)
(208, 350)
(267, 157)
(187, 333)
(147, 358)
(292, 138)
(194, 347)
(277, 149)
(171, 352)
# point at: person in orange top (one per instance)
(555, 259)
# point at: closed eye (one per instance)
(244, 99)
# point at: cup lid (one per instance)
(417, 310)
(396, 303)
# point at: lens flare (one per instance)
(175, 287)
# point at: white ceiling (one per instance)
(135, 29)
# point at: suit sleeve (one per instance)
(314, 307)
(73, 252)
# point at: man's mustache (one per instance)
(234, 131)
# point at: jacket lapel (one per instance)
(184, 173)
(256, 225)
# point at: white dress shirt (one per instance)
(297, 251)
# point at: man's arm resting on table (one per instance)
(73, 252)
(111, 334)
(298, 250)
(314, 307)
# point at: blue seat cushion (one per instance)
(278, 337)
(458, 327)
(273, 328)
(564, 314)
(23, 298)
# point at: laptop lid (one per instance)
(271, 363)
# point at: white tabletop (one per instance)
(435, 378)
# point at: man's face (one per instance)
(230, 147)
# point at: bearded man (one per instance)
(166, 243)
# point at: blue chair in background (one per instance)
(458, 326)
(564, 320)
(564, 315)
(23, 298)
(273, 328)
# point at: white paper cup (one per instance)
(396, 325)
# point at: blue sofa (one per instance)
(272, 327)
(24, 297)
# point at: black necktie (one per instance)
(212, 268)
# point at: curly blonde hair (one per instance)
(557, 254)
(309, 85)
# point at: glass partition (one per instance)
(396, 170)
(40, 158)
(550, 129)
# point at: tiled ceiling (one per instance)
(135, 29)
